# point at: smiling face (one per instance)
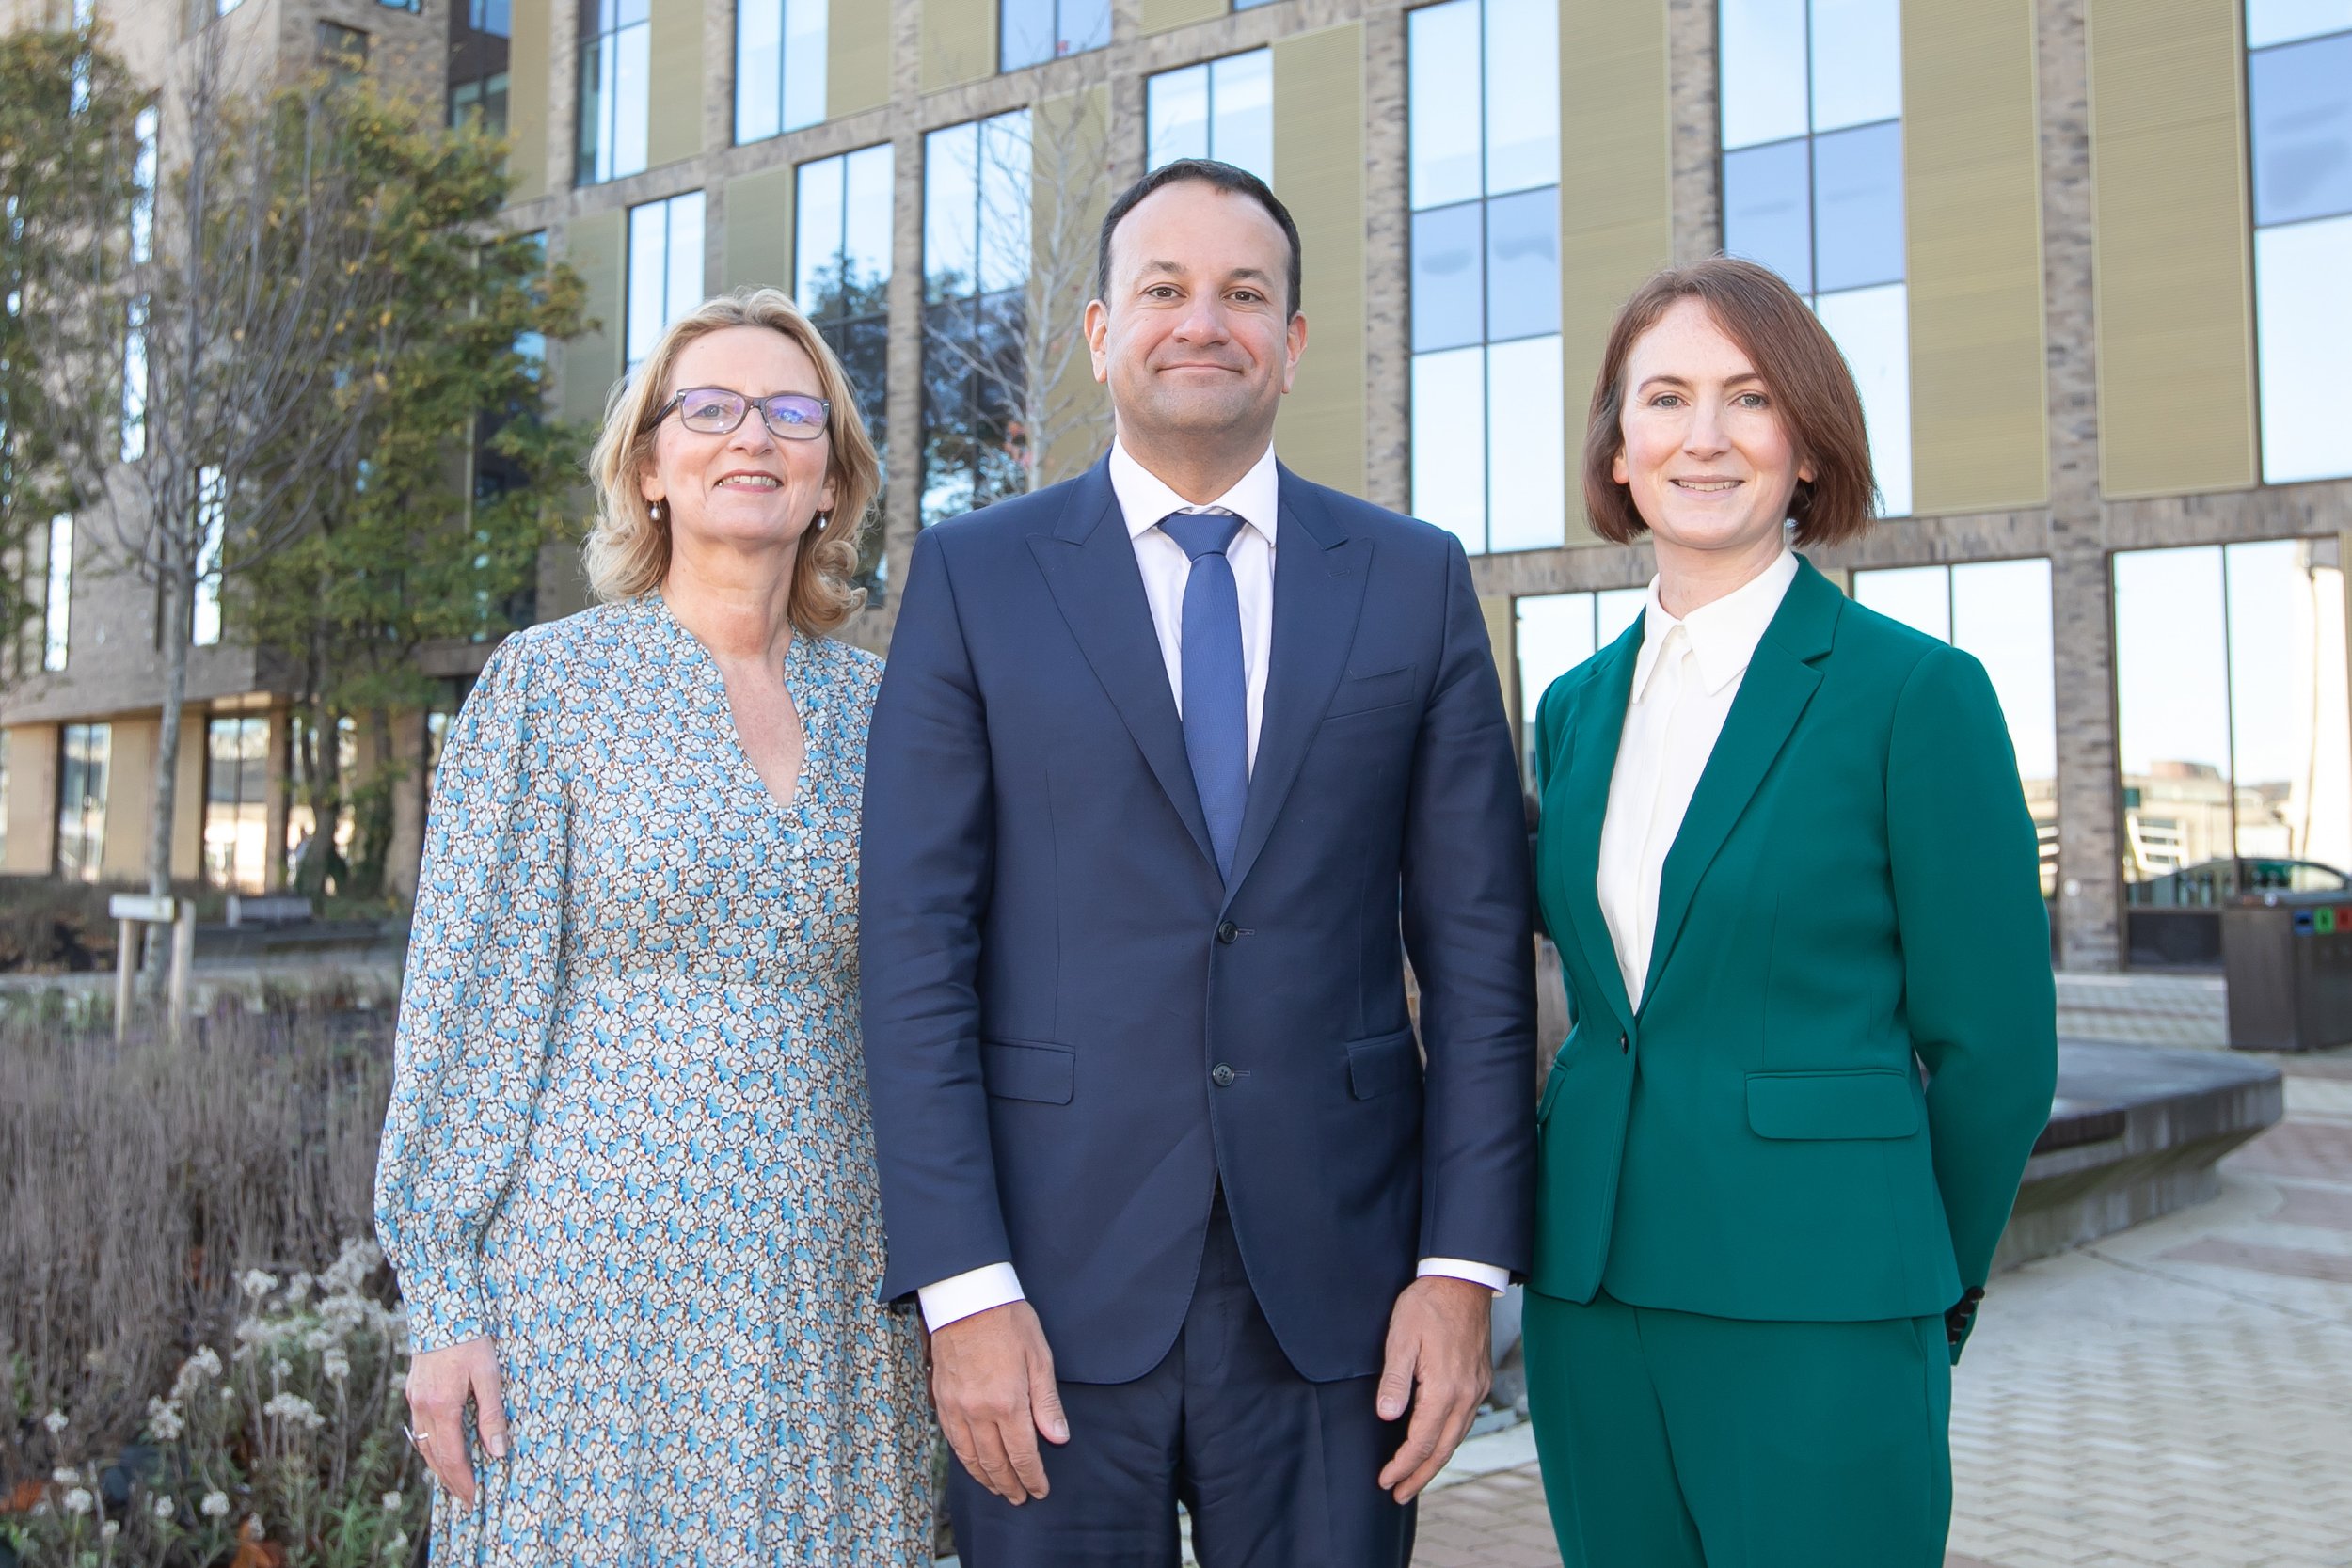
(1705, 457)
(746, 489)
(1196, 339)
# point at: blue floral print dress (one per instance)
(629, 1137)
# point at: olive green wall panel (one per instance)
(2170, 247)
(595, 245)
(959, 42)
(528, 65)
(1972, 172)
(757, 248)
(1159, 16)
(1319, 174)
(674, 83)
(1616, 192)
(1069, 191)
(857, 58)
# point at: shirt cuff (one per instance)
(991, 1285)
(1496, 1280)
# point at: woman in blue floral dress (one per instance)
(627, 1173)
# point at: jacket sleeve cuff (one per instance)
(445, 1307)
(966, 1294)
(1495, 1280)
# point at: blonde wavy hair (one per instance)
(629, 551)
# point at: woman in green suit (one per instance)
(1790, 873)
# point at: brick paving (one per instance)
(2177, 1396)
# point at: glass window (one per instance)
(236, 796)
(975, 263)
(2304, 319)
(301, 840)
(1873, 329)
(1483, 153)
(841, 274)
(2000, 612)
(144, 129)
(1221, 109)
(494, 17)
(2302, 129)
(1553, 634)
(1811, 99)
(1763, 55)
(84, 752)
(135, 380)
(1768, 208)
(2231, 716)
(1449, 278)
(58, 598)
(779, 66)
(343, 49)
(2269, 22)
(665, 269)
(1033, 31)
(1858, 208)
(211, 515)
(615, 44)
(2301, 143)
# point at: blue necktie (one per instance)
(1216, 690)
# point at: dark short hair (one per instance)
(1812, 391)
(1208, 171)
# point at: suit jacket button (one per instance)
(1625, 1044)
(1228, 933)
(1222, 1076)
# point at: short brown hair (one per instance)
(629, 551)
(1812, 391)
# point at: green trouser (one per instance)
(1672, 1440)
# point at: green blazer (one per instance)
(1854, 892)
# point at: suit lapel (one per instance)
(1779, 683)
(1089, 565)
(1583, 804)
(1318, 587)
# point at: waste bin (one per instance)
(2288, 961)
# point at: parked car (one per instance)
(2212, 883)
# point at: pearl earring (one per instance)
(820, 522)
(653, 510)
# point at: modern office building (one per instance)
(2083, 255)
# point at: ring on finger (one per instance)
(417, 1440)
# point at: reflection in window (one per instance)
(57, 607)
(2234, 732)
(343, 50)
(976, 266)
(236, 802)
(1484, 173)
(479, 51)
(779, 66)
(1033, 31)
(1813, 187)
(1221, 109)
(83, 753)
(841, 276)
(212, 517)
(135, 380)
(1998, 612)
(1553, 634)
(2301, 135)
(144, 131)
(665, 269)
(615, 45)
(302, 842)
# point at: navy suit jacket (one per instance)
(1075, 1029)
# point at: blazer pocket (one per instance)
(1363, 693)
(1870, 1103)
(1383, 1065)
(1562, 1063)
(1013, 1070)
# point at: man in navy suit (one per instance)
(1177, 1187)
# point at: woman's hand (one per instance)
(440, 1382)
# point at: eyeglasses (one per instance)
(716, 411)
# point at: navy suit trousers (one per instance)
(1276, 1471)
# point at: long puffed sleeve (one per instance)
(477, 1000)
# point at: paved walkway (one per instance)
(2178, 1396)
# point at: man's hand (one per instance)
(1438, 1364)
(992, 1380)
(439, 1384)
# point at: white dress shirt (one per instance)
(1144, 499)
(1684, 681)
